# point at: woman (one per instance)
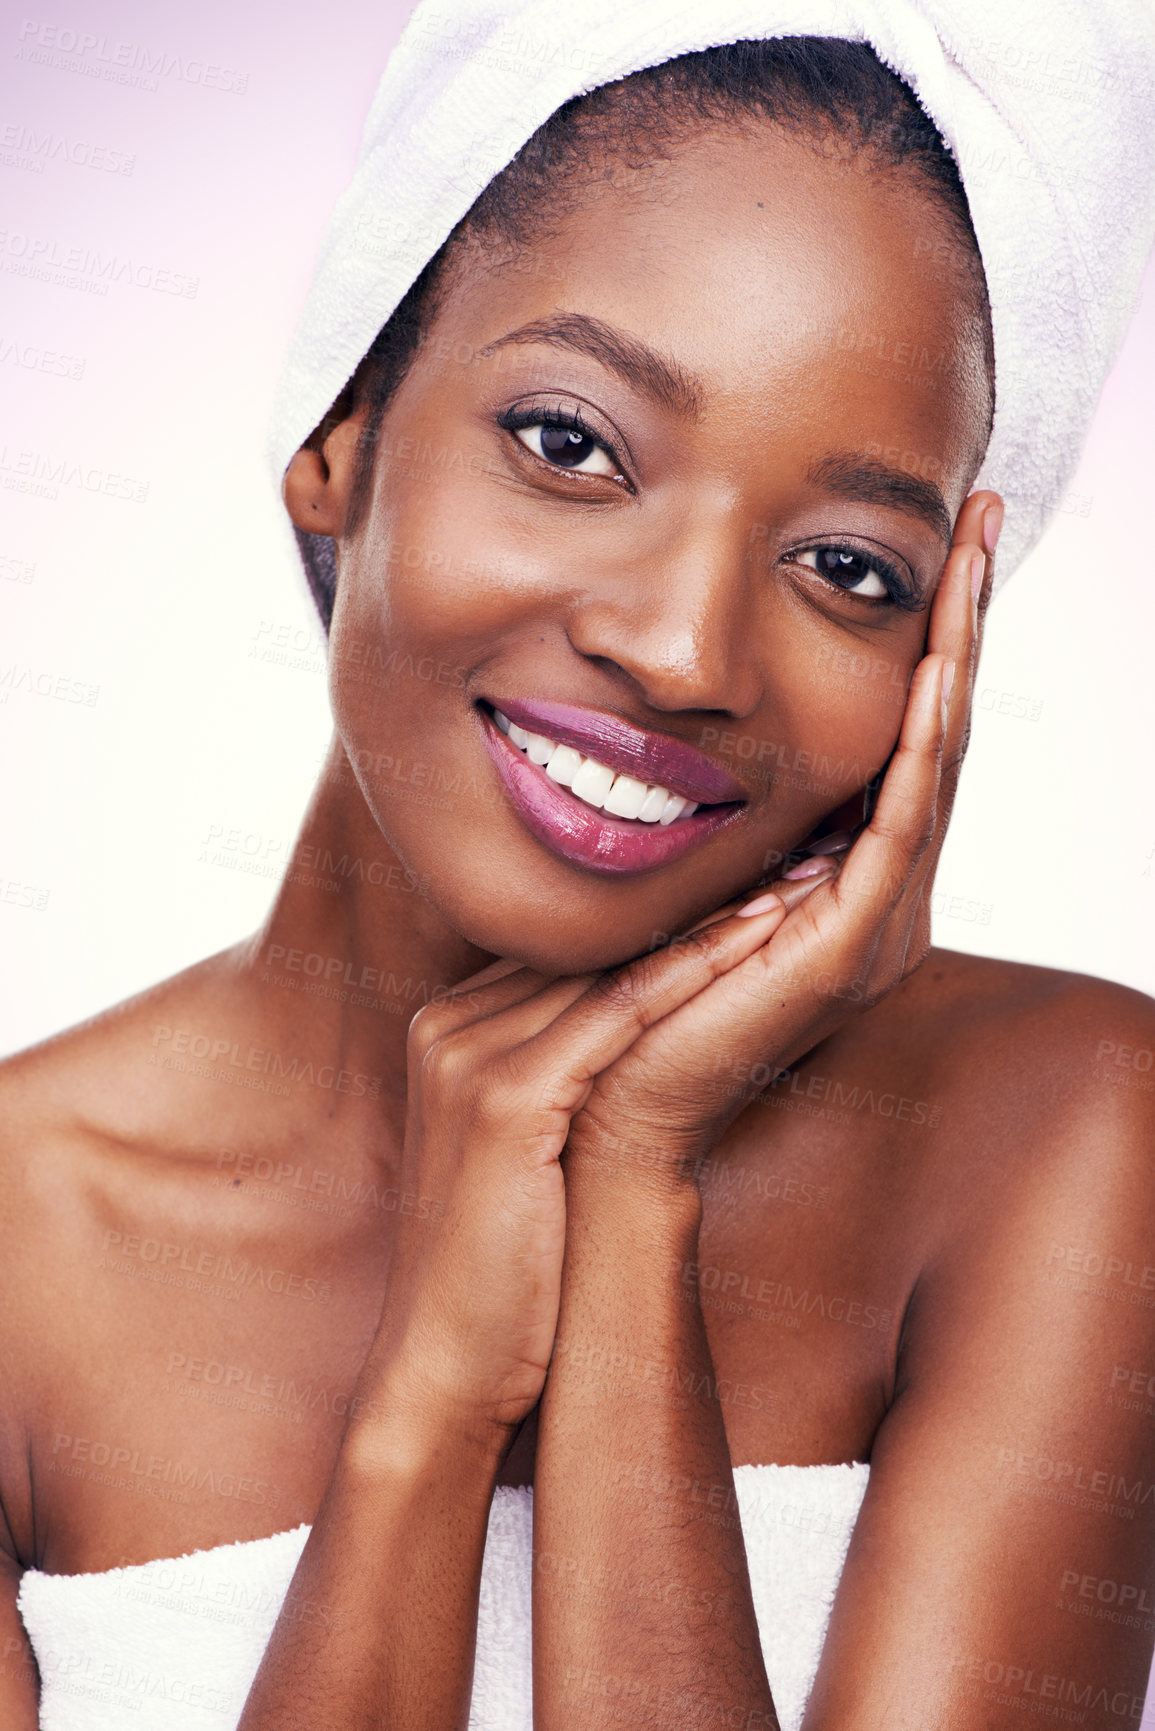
(631, 501)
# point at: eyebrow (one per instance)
(649, 373)
(850, 474)
(854, 475)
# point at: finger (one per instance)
(883, 859)
(617, 1008)
(779, 1002)
(981, 520)
(513, 1022)
(953, 634)
(956, 632)
(969, 522)
(917, 793)
(507, 1005)
(484, 995)
(499, 970)
(788, 890)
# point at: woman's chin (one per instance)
(549, 945)
(561, 946)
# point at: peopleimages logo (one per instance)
(24, 147)
(40, 473)
(87, 268)
(222, 1059)
(131, 63)
(33, 359)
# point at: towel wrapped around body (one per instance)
(173, 1645)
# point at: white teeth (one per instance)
(564, 765)
(592, 782)
(653, 805)
(595, 783)
(626, 797)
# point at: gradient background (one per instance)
(149, 808)
(194, 749)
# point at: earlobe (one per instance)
(307, 492)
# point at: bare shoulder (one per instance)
(93, 1092)
(1041, 1168)
(1025, 1050)
(1029, 1095)
(93, 1130)
(1019, 1010)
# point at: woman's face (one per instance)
(671, 489)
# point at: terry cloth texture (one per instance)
(173, 1645)
(1047, 106)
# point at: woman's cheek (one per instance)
(426, 595)
(835, 713)
(448, 563)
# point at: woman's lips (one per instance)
(651, 757)
(580, 833)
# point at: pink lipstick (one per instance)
(652, 757)
(603, 794)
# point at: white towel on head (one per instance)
(1047, 105)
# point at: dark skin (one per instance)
(550, 1157)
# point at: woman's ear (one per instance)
(318, 483)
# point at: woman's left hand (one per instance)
(844, 940)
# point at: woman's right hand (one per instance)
(471, 1296)
(497, 1071)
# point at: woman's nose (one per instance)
(680, 623)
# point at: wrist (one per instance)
(655, 1173)
(399, 1432)
(646, 1200)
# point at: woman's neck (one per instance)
(351, 948)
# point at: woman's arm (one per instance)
(496, 1073)
(380, 1620)
(642, 1612)
(1002, 1570)
(379, 1624)
(19, 1683)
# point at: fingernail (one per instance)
(832, 843)
(992, 524)
(978, 572)
(807, 868)
(761, 905)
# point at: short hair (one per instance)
(819, 88)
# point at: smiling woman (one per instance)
(675, 1332)
(671, 502)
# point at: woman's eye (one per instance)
(568, 447)
(855, 572)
